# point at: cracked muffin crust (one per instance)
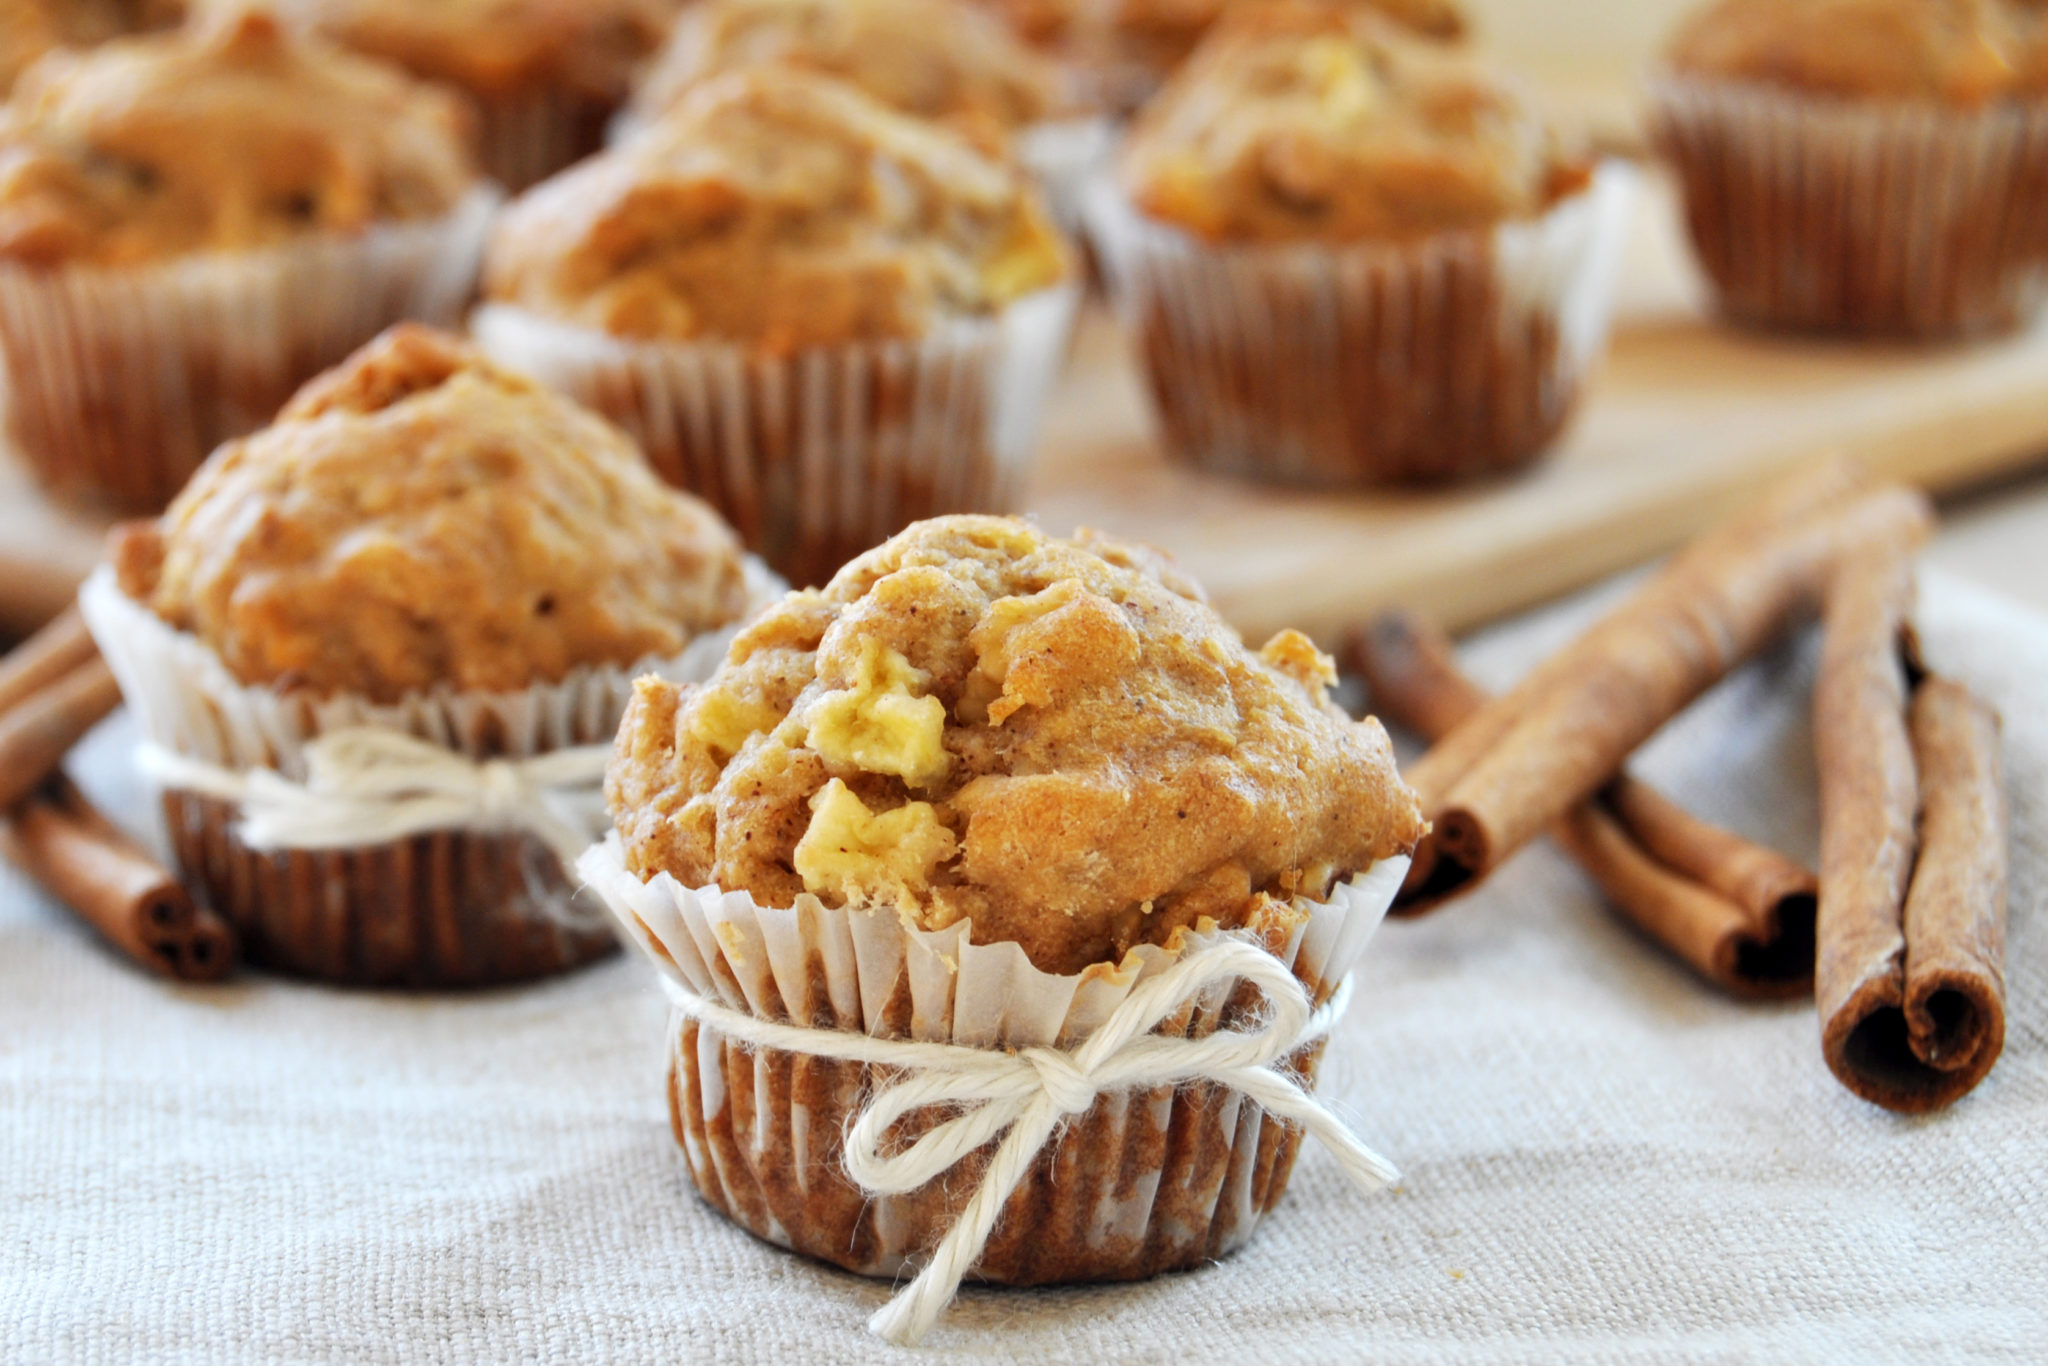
(778, 210)
(937, 59)
(1058, 740)
(1964, 52)
(1321, 122)
(226, 136)
(418, 516)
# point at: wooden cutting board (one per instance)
(1687, 418)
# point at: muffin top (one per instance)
(777, 210)
(1161, 33)
(937, 59)
(225, 137)
(503, 47)
(1303, 121)
(1057, 739)
(1964, 52)
(416, 517)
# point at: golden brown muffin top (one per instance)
(228, 136)
(1964, 52)
(417, 516)
(1318, 122)
(778, 210)
(937, 59)
(1162, 33)
(503, 47)
(1057, 740)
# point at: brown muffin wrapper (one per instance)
(818, 456)
(527, 136)
(1142, 1182)
(446, 908)
(120, 381)
(1907, 220)
(1456, 356)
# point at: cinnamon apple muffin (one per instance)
(426, 545)
(1350, 254)
(1059, 741)
(1865, 166)
(193, 224)
(971, 792)
(825, 316)
(545, 75)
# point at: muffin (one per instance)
(428, 545)
(30, 28)
(825, 317)
(1866, 167)
(194, 224)
(1352, 257)
(546, 76)
(974, 791)
(936, 59)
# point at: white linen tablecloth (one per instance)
(1603, 1160)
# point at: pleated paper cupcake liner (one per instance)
(1143, 1182)
(817, 456)
(446, 908)
(1869, 218)
(527, 136)
(120, 381)
(1459, 355)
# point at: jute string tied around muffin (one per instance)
(1025, 1096)
(366, 785)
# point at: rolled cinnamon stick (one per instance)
(37, 732)
(58, 838)
(44, 658)
(1558, 737)
(1910, 973)
(1735, 912)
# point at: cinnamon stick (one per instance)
(1556, 739)
(58, 838)
(44, 658)
(37, 732)
(1737, 913)
(1910, 972)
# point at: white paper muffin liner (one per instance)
(817, 456)
(1868, 217)
(120, 381)
(1063, 156)
(1458, 355)
(1142, 1182)
(447, 908)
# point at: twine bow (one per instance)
(1026, 1095)
(366, 785)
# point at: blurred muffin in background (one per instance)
(936, 59)
(1353, 256)
(427, 545)
(193, 224)
(546, 75)
(1875, 167)
(828, 318)
(29, 28)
